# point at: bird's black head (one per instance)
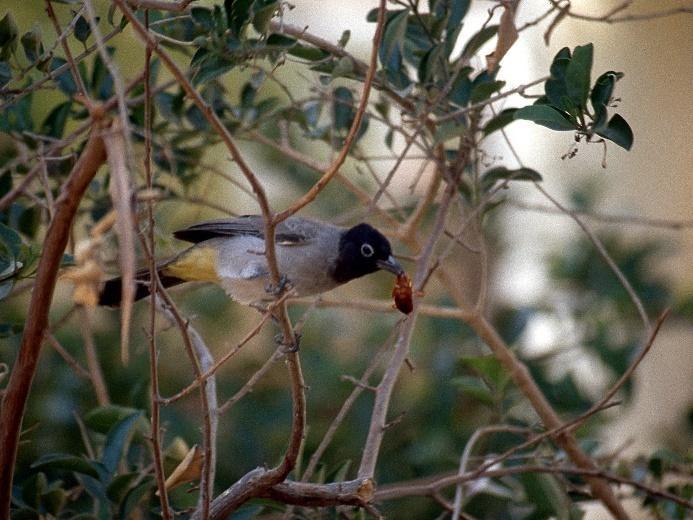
(363, 250)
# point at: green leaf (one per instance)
(344, 38)
(203, 17)
(27, 224)
(33, 488)
(11, 241)
(238, 14)
(475, 388)
(31, 43)
(448, 130)
(54, 499)
(560, 63)
(342, 108)
(500, 121)
(662, 461)
(547, 496)
(343, 68)
(17, 117)
(461, 88)
(393, 40)
(603, 88)
(545, 115)
(101, 79)
(263, 12)
(617, 131)
(82, 29)
(135, 496)
(116, 441)
(279, 40)
(307, 52)
(103, 418)
(488, 367)
(212, 66)
(577, 75)
(54, 124)
(5, 73)
(119, 487)
(501, 173)
(432, 64)
(484, 90)
(457, 11)
(5, 183)
(8, 36)
(5, 286)
(66, 462)
(476, 41)
(555, 87)
(64, 79)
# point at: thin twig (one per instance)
(76, 76)
(211, 370)
(633, 365)
(58, 71)
(95, 373)
(637, 302)
(199, 356)
(252, 381)
(429, 485)
(466, 454)
(610, 16)
(151, 260)
(69, 359)
(481, 104)
(608, 218)
(313, 192)
(383, 394)
(120, 160)
(358, 389)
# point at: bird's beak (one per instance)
(390, 265)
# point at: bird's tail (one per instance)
(112, 291)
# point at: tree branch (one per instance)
(17, 392)
(310, 195)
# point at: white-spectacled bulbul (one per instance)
(313, 256)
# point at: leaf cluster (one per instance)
(564, 107)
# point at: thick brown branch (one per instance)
(15, 398)
(352, 492)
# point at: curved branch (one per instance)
(17, 392)
(310, 195)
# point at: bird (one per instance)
(312, 256)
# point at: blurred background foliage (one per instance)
(454, 386)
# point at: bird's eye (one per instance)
(367, 250)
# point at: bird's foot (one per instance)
(279, 289)
(291, 347)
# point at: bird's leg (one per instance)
(287, 347)
(291, 347)
(279, 289)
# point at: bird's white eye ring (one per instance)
(367, 250)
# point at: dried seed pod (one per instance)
(402, 293)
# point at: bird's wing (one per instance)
(293, 231)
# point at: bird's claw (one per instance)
(279, 289)
(289, 348)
